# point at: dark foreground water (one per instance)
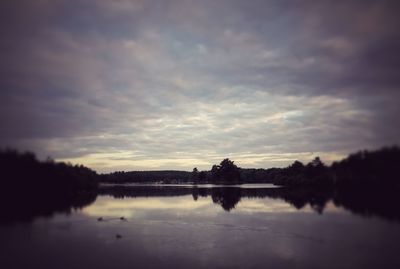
(182, 227)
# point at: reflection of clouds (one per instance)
(110, 207)
(331, 208)
(265, 205)
(185, 205)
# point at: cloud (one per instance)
(176, 84)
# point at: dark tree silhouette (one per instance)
(41, 188)
(164, 176)
(195, 175)
(226, 172)
(202, 176)
(380, 167)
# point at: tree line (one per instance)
(24, 171)
(361, 168)
(366, 182)
(30, 187)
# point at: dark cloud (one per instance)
(142, 82)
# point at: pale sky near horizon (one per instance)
(168, 84)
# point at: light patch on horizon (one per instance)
(125, 161)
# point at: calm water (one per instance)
(194, 228)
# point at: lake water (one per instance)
(186, 227)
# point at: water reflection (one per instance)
(226, 197)
(382, 203)
(185, 227)
(110, 208)
(29, 206)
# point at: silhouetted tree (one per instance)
(380, 167)
(202, 176)
(42, 187)
(316, 163)
(215, 171)
(226, 172)
(165, 176)
(297, 166)
(195, 175)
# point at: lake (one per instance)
(251, 226)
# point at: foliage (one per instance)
(31, 188)
(226, 172)
(22, 171)
(369, 168)
(166, 176)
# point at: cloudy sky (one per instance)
(168, 84)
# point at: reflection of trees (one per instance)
(369, 202)
(383, 203)
(28, 206)
(366, 202)
(226, 197)
(301, 197)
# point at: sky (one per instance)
(168, 84)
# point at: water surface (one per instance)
(202, 228)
